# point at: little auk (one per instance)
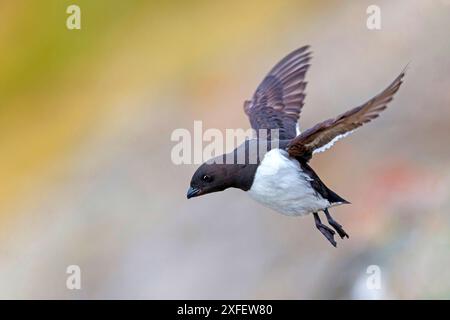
(280, 177)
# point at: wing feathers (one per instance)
(325, 134)
(279, 98)
(296, 87)
(289, 59)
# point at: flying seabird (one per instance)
(280, 177)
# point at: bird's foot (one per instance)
(336, 226)
(326, 231)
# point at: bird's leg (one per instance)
(326, 231)
(335, 225)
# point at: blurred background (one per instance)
(87, 179)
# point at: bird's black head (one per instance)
(212, 177)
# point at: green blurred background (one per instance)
(86, 176)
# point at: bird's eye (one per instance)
(206, 178)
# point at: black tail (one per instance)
(333, 197)
(320, 187)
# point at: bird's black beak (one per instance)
(192, 192)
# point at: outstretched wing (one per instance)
(278, 100)
(325, 134)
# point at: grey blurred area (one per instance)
(122, 215)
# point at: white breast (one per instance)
(281, 184)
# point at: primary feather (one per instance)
(323, 135)
(278, 100)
